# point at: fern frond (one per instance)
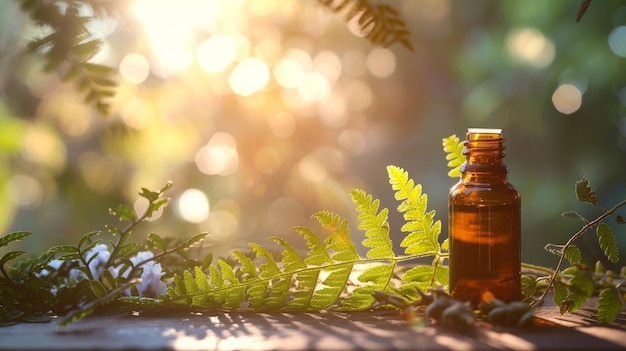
(375, 225)
(380, 24)
(332, 275)
(453, 147)
(70, 46)
(423, 234)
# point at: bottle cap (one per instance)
(484, 131)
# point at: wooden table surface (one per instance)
(378, 330)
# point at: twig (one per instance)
(582, 9)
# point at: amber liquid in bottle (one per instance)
(484, 224)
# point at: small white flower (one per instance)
(96, 266)
(56, 264)
(151, 284)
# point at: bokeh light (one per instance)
(218, 156)
(25, 191)
(134, 68)
(617, 41)
(193, 206)
(381, 62)
(530, 46)
(567, 99)
(216, 53)
(250, 76)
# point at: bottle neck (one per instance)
(484, 154)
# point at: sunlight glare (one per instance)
(193, 206)
(216, 53)
(314, 87)
(170, 26)
(218, 156)
(134, 68)
(288, 73)
(250, 76)
(311, 169)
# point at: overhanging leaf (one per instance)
(608, 244)
(584, 193)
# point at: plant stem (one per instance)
(582, 230)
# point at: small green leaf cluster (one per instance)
(574, 285)
(331, 275)
(73, 281)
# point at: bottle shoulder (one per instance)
(474, 192)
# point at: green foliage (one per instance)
(332, 274)
(74, 281)
(453, 148)
(574, 285)
(380, 24)
(70, 46)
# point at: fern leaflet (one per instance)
(453, 148)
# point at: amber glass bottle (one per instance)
(484, 224)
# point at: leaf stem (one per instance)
(587, 226)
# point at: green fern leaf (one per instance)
(269, 268)
(256, 294)
(609, 305)
(378, 275)
(339, 241)
(607, 242)
(375, 225)
(332, 286)
(305, 283)
(291, 259)
(453, 147)
(361, 299)
(247, 265)
(227, 273)
(217, 279)
(276, 297)
(317, 255)
(190, 283)
(201, 279)
(421, 276)
(423, 237)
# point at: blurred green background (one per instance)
(265, 112)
